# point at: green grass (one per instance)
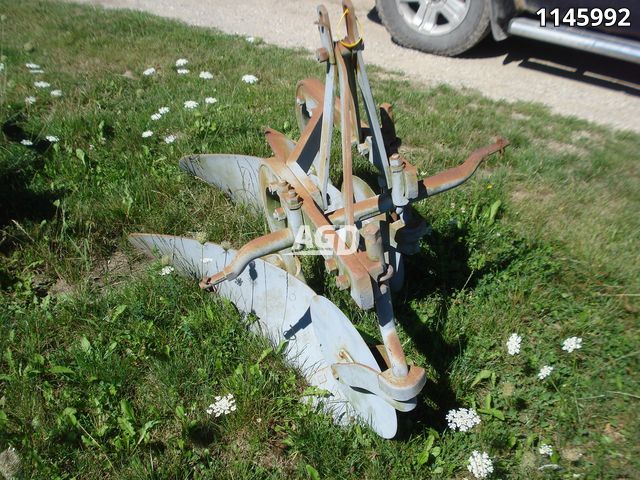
(107, 368)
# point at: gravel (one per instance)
(499, 71)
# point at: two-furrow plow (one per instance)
(362, 235)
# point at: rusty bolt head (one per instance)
(342, 282)
(371, 230)
(363, 148)
(331, 265)
(279, 214)
(282, 186)
(396, 163)
(292, 200)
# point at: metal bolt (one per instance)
(373, 241)
(342, 282)
(371, 230)
(282, 186)
(396, 163)
(292, 200)
(279, 213)
(331, 265)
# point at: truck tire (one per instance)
(442, 27)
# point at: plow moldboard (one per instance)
(282, 304)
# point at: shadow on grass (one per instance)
(203, 435)
(441, 269)
(18, 200)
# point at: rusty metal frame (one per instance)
(366, 273)
(294, 190)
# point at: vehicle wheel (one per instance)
(443, 27)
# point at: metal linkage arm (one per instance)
(256, 248)
(455, 176)
(428, 187)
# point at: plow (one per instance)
(362, 231)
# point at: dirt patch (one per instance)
(562, 148)
(587, 136)
(61, 287)
(571, 454)
(613, 434)
(542, 195)
(272, 457)
(117, 269)
(520, 116)
(387, 75)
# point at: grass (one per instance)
(107, 368)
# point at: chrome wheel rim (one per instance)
(433, 17)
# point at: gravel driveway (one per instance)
(570, 83)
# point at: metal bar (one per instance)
(586, 40)
(380, 159)
(387, 324)
(281, 145)
(428, 187)
(346, 107)
(256, 248)
(326, 134)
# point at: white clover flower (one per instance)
(190, 104)
(56, 93)
(52, 138)
(222, 406)
(210, 100)
(513, 344)
(26, 142)
(147, 134)
(32, 66)
(169, 139)
(480, 464)
(29, 100)
(149, 71)
(250, 79)
(545, 372)
(462, 419)
(36, 72)
(181, 62)
(206, 75)
(571, 344)
(40, 84)
(167, 270)
(545, 449)
(156, 116)
(182, 71)
(9, 463)
(250, 39)
(163, 110)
